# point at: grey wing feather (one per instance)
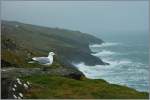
(43, 60)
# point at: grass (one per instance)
(46, 87)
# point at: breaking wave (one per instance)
(122, 70)
(118, 72)
(104, 44)
(104, 53)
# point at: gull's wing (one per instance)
(42, 60)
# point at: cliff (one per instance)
(20, 42)
(23, 41)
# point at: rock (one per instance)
(9, 75)
(5, 85)
(76, 76)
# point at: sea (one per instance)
(128, 58)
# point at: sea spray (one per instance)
(123, 69)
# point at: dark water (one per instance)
(128, 56)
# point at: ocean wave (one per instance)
(104, 53)
(123, 66)
(107, 44)
(122, 69)
(118, 72)
(121, 62)
(88, 71)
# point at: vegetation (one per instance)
(44, 86)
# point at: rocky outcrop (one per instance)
(21, 72)
(9, 75)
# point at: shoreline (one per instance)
(113, 63)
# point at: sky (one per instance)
(86, 16)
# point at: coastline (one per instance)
(17, 50)
(124, 65)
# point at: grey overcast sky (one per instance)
(90, 16)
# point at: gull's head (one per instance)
(51, 53)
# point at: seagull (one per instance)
(44, 60)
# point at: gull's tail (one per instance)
(34, 60)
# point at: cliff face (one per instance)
(21, 41)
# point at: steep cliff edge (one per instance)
(20, 42)
(25, 41)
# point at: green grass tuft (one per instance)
(46, 87)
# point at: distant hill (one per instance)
(20, 42)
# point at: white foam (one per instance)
(97, 71)
(122, 70)
(92, 71)
(123, 62)
(104, 44)
(103, 53)
(118, 72)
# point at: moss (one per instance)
(61, 87)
